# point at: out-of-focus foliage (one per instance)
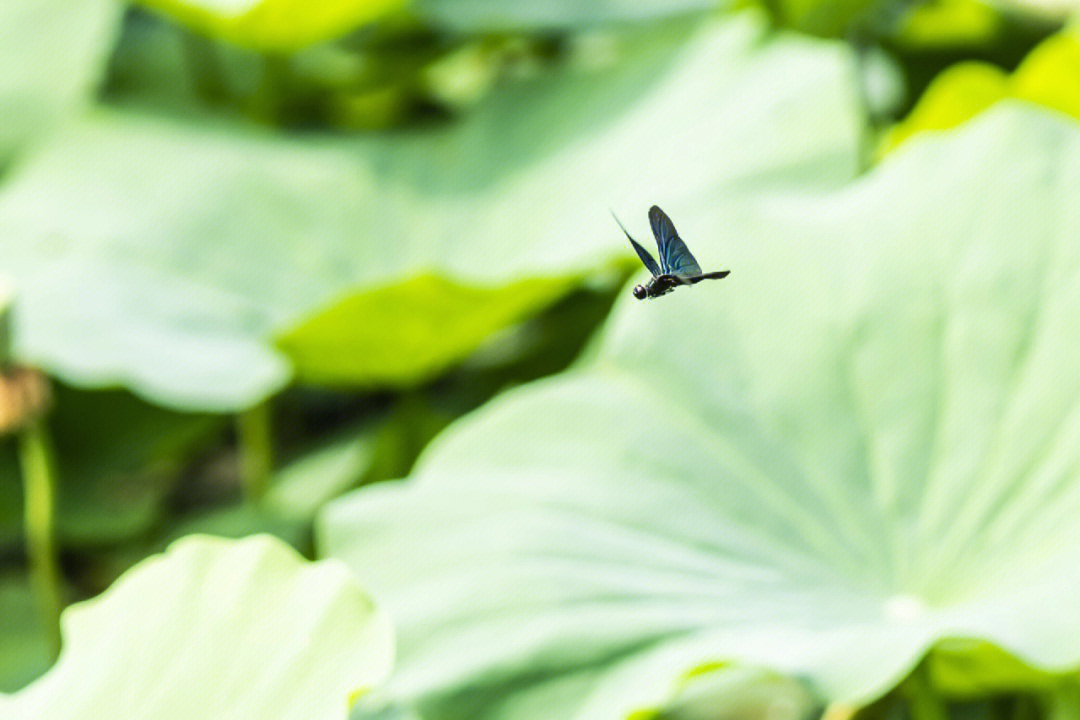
(1049, 76)
(295, 491)
(52, 55)
(120, 457)
(947, 23)
(24, 650)
(290, 24)
(975, 668)
(1041, 10)
(94, 216)
(216, 628)
(499, 16)
(5, 322)
(757, 63)
(275, 24)
(867, 447)
(298, 490)
(831, 18)
(335, 346)
(722, 692)
(355, 222)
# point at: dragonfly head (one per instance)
(640, 292)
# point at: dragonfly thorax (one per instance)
(657, 286)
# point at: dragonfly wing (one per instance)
(646, 258)
(675, 257)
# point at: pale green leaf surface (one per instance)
(215, 628)
(735, 693)
(499, 16)
(52, 55)
(862, 442)
(166, 257)
(975, 668)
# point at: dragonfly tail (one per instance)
(707, 276)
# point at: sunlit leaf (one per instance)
(333, 347)
(52, 55)
(861, 443)
(974, 668)
(168, 256)
(948, 24)
(275, 24)
(1049, 76)
(215, 628)
(955, 96)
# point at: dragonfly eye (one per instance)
(640, 292)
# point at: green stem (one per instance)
(923, 702)
(255, 444)
(39, 480)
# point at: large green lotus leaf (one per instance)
(275, 24)
(52, 54)
(860, 443)
(332, 347)
(215, 628)
(167, 256)
(500, 16)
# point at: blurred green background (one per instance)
(255, 258)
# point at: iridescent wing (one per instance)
(642, 252)
(675, 257)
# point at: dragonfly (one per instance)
(677, 266)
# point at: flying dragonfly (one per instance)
(677, 266)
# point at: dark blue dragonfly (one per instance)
(677, 266)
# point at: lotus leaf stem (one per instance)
(37, 459)
(255, 444)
